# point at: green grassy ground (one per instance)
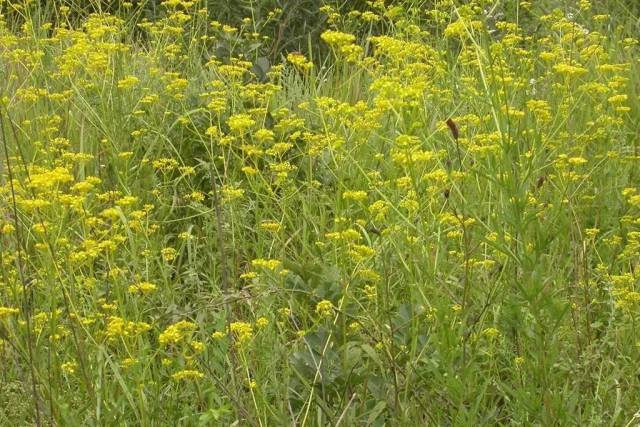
(434, 222)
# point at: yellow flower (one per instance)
(249, 170)
(461, 27)
(336, 38)
(264, 135)
(142, 288)
(169, 254)
(230, 193)
(540, 109)
(569, 70)
(128, 82)
(217, 335)
(196, 196)
(187, 374)
(242, 331)
(357, 196)
(491, 333)
(284, 312)
(324, 308)
(126, 201)
(69, 367)
(618, 99)
(45, 180)
(119, 328)
(197, 346)
(379, 210)
(240, 123)
(348, 235)
(299, 61)
(177, 332)
(128, 362)
(165, 164)
(269, 264)
(8, 311)
(7, 229)
(110, 213)
(369, 275)
(272, 226)
(361, 252)
(354, 327)
(262, 323)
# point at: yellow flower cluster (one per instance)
(142, 288)
(242, 331)
(118, 328)
(187, 374)
(452, 176)
(177, 333)
(299, 61)
(324, 308)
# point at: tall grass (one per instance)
(430, 219)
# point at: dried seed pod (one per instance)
(453, 128)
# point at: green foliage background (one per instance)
(440, 226)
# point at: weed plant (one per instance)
(434, 222)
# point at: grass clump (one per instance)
(435, 223)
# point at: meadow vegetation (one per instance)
(417, 213)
